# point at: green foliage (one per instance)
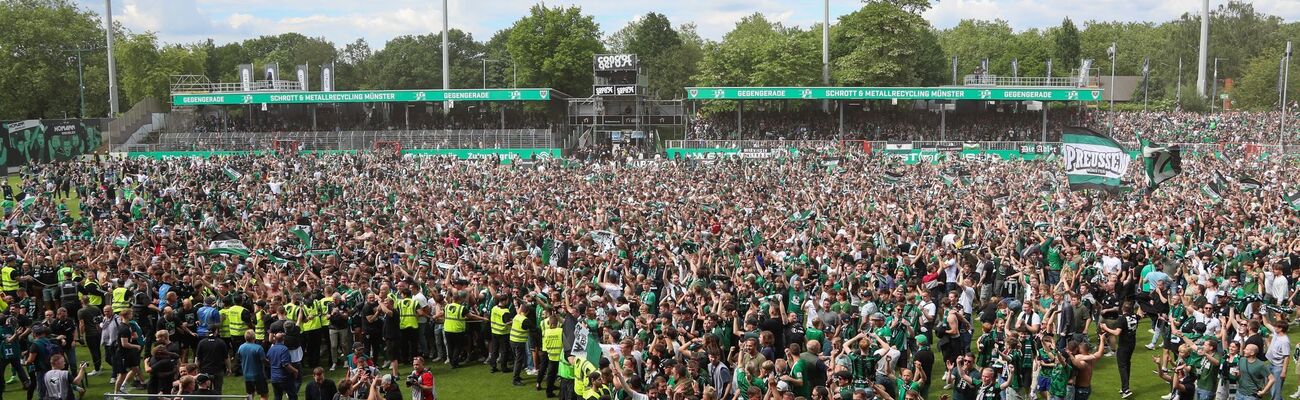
(38, 69)
(759, 52)
(1066, 46)
(553, 47)
(415, 62)
(1257, 90)
(144, 68)
(883, 44)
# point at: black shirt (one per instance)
(91, 316)
(320, 391)
(212, 354)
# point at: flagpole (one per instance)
(1286, 76)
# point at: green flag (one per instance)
(232, 173)
(227, 243)
(1093, 160)
(1161, 163)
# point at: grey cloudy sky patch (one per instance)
(342, 21)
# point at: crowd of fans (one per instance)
(358, 118)
(1175, 127)
(815, 276)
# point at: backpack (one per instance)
(47, 348)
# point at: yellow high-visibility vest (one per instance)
(582, 370)
(234, 317)
(7, 281)
(517, 332)
(553, 341)
(499, 320)
(313, 320)
(406, 314)
(453, 318)
(119, 300)
(93, 299)
(259, 325)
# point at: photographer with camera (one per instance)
(384, 388)
(420, 380)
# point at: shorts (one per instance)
(257, 387)
(1044, 383)
(49, 294)
(128, 358)
(1171, 345)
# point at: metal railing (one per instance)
(190, 87)
(355, 140)
(995, 80)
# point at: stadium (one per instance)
(833, 200)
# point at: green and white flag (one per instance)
(227, 243)
(892, 177)
(948, 180)
(1214, 189)
(232, 173)
(1247, 183)
(303, 232)
(1292, 199)
(1093, 160)
(122, 241)
(1161, 163)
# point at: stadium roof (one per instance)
(901, 93)
(366, 96)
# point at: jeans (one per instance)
(456, 348)
(282, 388)
(502, 347)
(520, 350)
(439, 342)
(1082, 393)
(1204, 394)
(1246, 396)
(1124, 362)
(426, 350)
(1278, 381)
(19, 370)
(95, 356)
(340, 344)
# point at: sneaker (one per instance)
(1126, 394)
(11, 380)
(531, 371)
(1168, 396)
(92, 373)
(1151, 347)
(125, 390)
(1151, 331)
(946, 387)
(1296, 395)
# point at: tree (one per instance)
(351, 68)
(1066, 49)
(652, 36)
(38, 69)
(669, 57)
(883, 44)
(972, 41)
(553, 47)
(145, 69)
(415, 62)
(758, 52)
(1257, 89)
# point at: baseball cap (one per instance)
(922, 339)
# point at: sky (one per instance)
(343, 21)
